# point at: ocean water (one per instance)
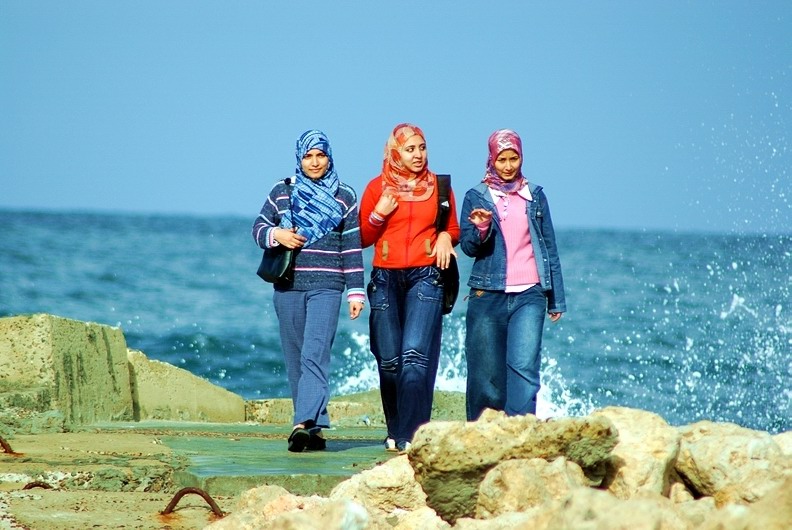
(690, 326)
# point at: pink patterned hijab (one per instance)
(395, 177)
(498, 142)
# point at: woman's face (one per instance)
(413, 154)
(314, 164)
(507, 165)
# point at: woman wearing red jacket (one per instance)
(397, 215)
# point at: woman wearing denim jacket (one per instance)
(516, 279)
(397, 215)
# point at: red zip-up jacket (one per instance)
(408, 235)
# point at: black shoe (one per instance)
(298, 440)
(316, 443)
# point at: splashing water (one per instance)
(360, 373)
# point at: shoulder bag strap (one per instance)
(443, 202)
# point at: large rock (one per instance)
(784, 441)
(451, 458)
(424, 518)
(730, 463)
(587, 508)
(387, 488)
(644, 457)
(81, 367)
(165, 392)
(520, 485)
(259, 507)
(772, 512)
(269, 510)
(534, 519)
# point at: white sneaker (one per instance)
(390, 445)
(404, 447)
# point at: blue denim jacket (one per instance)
(489, 269)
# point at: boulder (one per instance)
(784, 441)
(519, 485)
(534, 519)
(424, 518)
(644, 457)
(588, 508)
(259, 507)
(387, 488)
(771, 512)
(450, 459)
(333, 515)
(730, 463)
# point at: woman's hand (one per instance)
(355, 308)
(289, 238)
(554, 316)
(443, 250)
(480, 216)
(386, 204)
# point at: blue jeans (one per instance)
(405, 326)
(308, 322)
(502, 346)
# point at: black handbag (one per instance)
(277, 263)
(449, 275)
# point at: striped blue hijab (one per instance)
(315, 211)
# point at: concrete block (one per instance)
(164, 392)
(82, 365)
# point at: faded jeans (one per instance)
(308, 321)
(502, 346)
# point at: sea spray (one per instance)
(690, 326)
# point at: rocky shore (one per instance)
(80, 405)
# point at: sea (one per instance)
(691, 326)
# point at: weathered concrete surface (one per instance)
(150, 461)
(42, 509)
(80, 368)
(223, 459)
(161, 391)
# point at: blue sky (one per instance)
(670, 115)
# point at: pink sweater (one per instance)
(521, 272)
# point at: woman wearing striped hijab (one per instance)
(515, 280)
(316, 213)
(397, 216)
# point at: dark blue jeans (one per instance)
(405, 326)
(502, 346)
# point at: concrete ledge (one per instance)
(360, 409)
(165, 392)
(81, 365)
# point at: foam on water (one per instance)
(359, 373)
(689, 326)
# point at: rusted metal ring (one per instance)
(37, 484)
(198, 491)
